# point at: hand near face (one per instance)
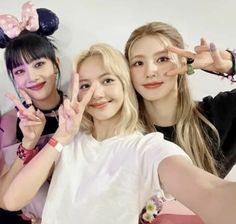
(32, 121)
(206, 57)
(71, 113)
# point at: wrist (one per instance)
(26, 154)
(27, 144)
(63, 138)
(232, 69)
(55, 144)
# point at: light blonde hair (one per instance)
(192, 128)
(114, 63)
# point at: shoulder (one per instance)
(225, 97)
(8, 128)
(222, 105)
(154, 143)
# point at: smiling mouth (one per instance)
(152, 85)
(37, 86)
(100, 105)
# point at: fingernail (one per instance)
(212, 47)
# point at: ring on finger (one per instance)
(27, 105)
(190, 61)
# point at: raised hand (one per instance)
(32, 121)
(205, 57)
(71, 113)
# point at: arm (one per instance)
(8, 129)
(8, 137)
(207, 195)
(33, 174)
(31, 128)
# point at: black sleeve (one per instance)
(221, 111)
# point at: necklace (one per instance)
(54, 111)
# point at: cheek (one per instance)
(81, 95)
(167, 67)
(135, 77)
(172, 81)
(20, 82)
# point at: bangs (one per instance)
(27, 48)
(20, 56)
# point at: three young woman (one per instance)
(116, 165)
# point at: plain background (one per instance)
(83, 23)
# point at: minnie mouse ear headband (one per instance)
(42, 21)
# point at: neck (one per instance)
(105, 129)
(50, 103)
(163, 112)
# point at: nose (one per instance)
(152, 70)
(99, 91)
(32, 74)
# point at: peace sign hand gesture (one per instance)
(205, 57)
(71, 113)
(32, 121)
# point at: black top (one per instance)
(51, 120)
(221, 111)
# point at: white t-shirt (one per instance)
(106, 182)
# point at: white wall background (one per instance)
(83, 23)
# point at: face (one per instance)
(38, 78)
(108, 96)
(149, 63)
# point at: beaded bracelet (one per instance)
(26, 154)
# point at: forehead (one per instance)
(91, 67)
(149, 44)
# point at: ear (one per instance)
(58, 61)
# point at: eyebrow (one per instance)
(100, 76)
(157, 53)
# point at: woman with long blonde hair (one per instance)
(159, 71)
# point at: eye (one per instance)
(18, 72)
(108, 80)
(163, 59)
(39, 64)
(137, 63)
(84, 86)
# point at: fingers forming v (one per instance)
(216, 56)
(22, 110)
(26, 97)
(181, 52)
(75, 89)
(87, 97)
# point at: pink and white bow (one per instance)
(12, 27)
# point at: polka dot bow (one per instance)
(12, 27)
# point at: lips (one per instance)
(152, 85)
(99, 105)
(37, 86)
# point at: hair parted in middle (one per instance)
(116, 64)
(192, 128)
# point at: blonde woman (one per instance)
(159, 73)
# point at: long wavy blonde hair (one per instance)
(114, 63)
(192, 128)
